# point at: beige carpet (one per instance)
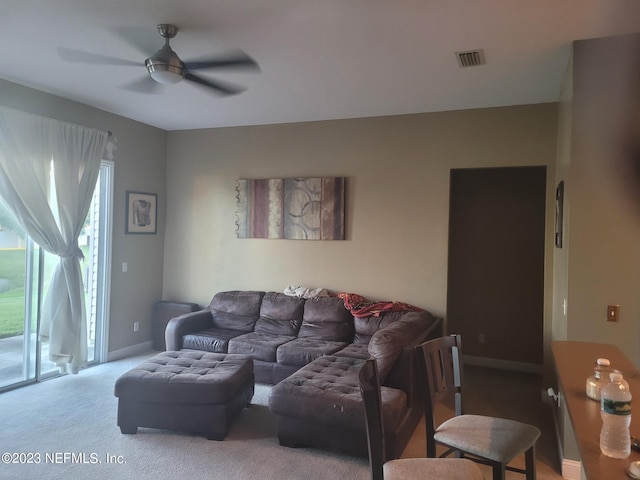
(67, 428)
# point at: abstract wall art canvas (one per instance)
(291, 208)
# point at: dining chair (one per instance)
(489, 440)
(405, 468)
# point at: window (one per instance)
(25, 272)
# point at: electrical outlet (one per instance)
(613, 313)
(125, 267)
(136, 326)
(481, 338)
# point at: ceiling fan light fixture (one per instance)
(165, 74)
(165, 67)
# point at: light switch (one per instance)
(613, 313)
(125, 267)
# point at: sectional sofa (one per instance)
(311, 350)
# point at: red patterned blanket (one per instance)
(361, 307)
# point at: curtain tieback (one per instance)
(73, 251)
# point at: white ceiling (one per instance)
(319, 59)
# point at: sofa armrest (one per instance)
(404, 373)
(185, 324)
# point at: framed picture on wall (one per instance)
(559, 213)
(141, 212)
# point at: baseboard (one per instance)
(502, 364)
(130, 351)
(571, 469)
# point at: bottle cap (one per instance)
(603, 362)
(615, 376)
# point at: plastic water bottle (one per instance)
(615, 409)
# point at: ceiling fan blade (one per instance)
(232, 59)
(81, 56)
(144, 84)
(143, 39)
(221, 87)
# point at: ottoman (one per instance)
(197, 392)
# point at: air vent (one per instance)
(470, 58)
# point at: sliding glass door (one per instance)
(25, 272)
(16, 259)
(97, 273)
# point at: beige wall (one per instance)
(599, 160)
(603, 179)
(397, 200)
(560, 256)
(139, 165)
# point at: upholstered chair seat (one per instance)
(489, 440)
(493, 438)
(431, 468)
(402, 468)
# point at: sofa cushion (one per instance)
(260, 346)
(280, 314)
(328, 391)
(301, 351)
(326, 318)
(211, 340)
(236, 310)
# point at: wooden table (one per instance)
(574, 362)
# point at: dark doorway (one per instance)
(495, 287)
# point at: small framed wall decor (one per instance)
(141, 212)
(559, 214)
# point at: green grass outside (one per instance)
(12, 268)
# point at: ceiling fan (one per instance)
(166, 68)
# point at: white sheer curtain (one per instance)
(48, 171)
